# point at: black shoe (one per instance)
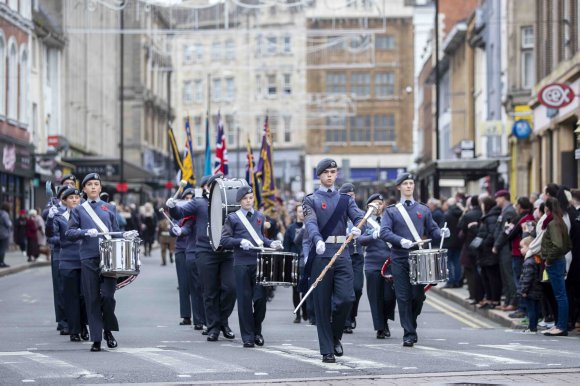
(387, 331)
(198, 327)
(64, 332)
(381, 334)
(353, 324)
(297, 319)
(347, 330)
(338, 348)
(204, 331)
(259, 339)
(408, 343)
(96, 346)
(328, 358)
(111, 342)
(312, 322)
(75, 338)
(84, 333)
(4, 265)
(185, 322)
(228, 333)
(248, 345)
(415, 339)
(212, 337)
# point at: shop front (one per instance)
(16, 172)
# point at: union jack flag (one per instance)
(221, 151)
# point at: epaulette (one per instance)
(309, 194)
(425, 205)
(392, 206)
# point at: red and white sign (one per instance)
(53, 140)
(556, 95)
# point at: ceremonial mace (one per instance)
(372, 209)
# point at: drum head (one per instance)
(222, 201)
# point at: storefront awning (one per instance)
(468, 169)
(110, 169)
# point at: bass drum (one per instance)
(222, 201)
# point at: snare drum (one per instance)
(119, 257)
(222, 201)
(428, 266)
(277, 268)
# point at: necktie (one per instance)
(249, 215)
(329, 190)
(408, 202)
(379, 219)
(93, 202)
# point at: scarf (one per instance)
(548, 219)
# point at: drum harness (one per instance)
(249, 228)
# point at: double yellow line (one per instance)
(458, 314)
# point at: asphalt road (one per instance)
(154, 348)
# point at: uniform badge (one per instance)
(419, 215)
(105, 208)
(324, 205)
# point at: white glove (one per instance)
(406, 243)
(171, 202)
(445, 232)
(376, 233)
(277, 244)
(92, 232)
(130, 235)
(176, 230)
(245, 244)
(355, 232)
(320, 247)
(52, 211)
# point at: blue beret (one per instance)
(90, 177)
(211, 179)
(241, 193)
(404, 177)
(326, 163)
(61, 190)
(186, 192)
(347, 188)
(71, 177)
(204, 180)
(69, 192)
(374, 197)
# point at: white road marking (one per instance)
(522, 348)
(39, 366)
(260, 373)
(28, 380)
(477, 356)
(554, 364)
(314, 358)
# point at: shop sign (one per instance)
(15, 159)
(104, 169)
(521, 129)
(556, 95)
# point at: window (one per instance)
(259, 45)
(287, 87)
(229, 129)
(198, 91)
(216, 51)
(198, 132)
(230, 50)
(271, 84)
(2, 77)
(33, 52)
(335, 129)
(385, 128)
(384, 84)
(360, 129)
(360, 84)
(287, 128)
(272, 45)
(23, 116)
(187, 92)
(273, 123)
(13, 82)
(287, 44)
(258, 86)
(384, 42)
(198, 52)
(527, 58)
(187, 54)
(216, 92)
(335, 83)
(528, 37)
(230, 89)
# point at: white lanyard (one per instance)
(98, 222)
(249, 228)
(66, 215)
(408, 221)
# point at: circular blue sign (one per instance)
(521, 129)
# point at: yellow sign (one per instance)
(491, 128)
(524, 112)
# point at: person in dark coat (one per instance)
(467, 227)
(530, 286)
(20, 231)
(453, 244)
(486, 259)
(573, 278)
(436, 211)
(291, 245)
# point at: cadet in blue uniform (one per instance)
(293, 243)
(380, 292)
(215, 267)
(357, 259)
(326, 214)
(99, 292)
(70, 266)
(186, 228)
(395, 231)
(237, 236)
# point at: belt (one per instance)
(335, 239)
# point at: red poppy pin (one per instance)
(259, 221)
(105, 208)
(419, 215)
(324, 205)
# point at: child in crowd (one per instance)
(531, 290)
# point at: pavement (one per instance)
(17, 262)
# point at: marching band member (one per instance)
(408, 220)
(86, 223)
(293, 243)
(215, 267)
(243, 231)
(380, 291)
(326, 213)
(70, 266)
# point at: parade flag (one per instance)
(265, 168)
(182, 164)
(207, 171)
(174, 149)
(188, 172)
(251, 176)
(221, 151)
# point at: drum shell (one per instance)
(277, 269)
(120, 257)
(222, 201)
(428, 266)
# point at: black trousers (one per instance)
(252, 301)
(195, 291)
(382, 299)
(358, 283)
(297, 296)
(57, 294)
(183, 284)
(99, 293)
(491, 278)
(216, 271)
(74, 302)
(410, 297)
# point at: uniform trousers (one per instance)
(195, 290)
(333, 298)
(252, 301)
(410, 297)
(183, 284)
(99, 293)
(57, 294)
(358, 283)
(216, 271)
(74, 303)
(381, 294)
(297, 296)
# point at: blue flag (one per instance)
(207, 171)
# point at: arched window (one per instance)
(12, 81)
(2, 76)
(23, 111)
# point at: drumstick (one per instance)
(263, 249)
(372, 209)
(166, 216)
(182, 185)
(442, 237)
(420, 242)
